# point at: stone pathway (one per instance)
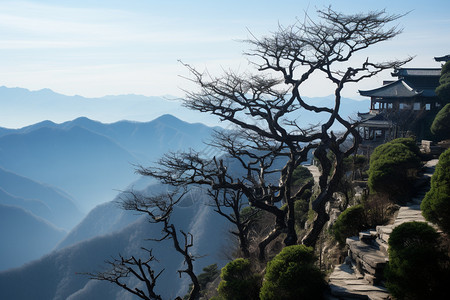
(314, 172)
(357, 277)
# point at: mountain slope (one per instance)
(54, 276)
(104, 219)
(86, 165)
(91, 160)
(42, 200)
(22, 231)
(36, 207)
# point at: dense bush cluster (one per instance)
(292, 274)
(443, 90)
(349, 223)
(436, 204)
(441, 124)
(238, 281)
(301, 176)
(415, 269)
(393, 167)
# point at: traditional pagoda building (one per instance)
(400, 102)
(414, 89)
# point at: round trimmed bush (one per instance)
(349, 223)
(441, 124)
(436, 204)
(238, 281)
(415, 263)
(292, 274)
(393, 167)
(443, 90)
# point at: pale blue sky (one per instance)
(96, 48)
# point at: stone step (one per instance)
(383, 246)
(345, 284)
(384, 231)
(367, 236)
(369, 258)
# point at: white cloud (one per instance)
(40, 24)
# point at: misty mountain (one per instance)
(91, 160)
(149, 140)
(42, 200)
(55, 275)
(87, 159)
(104, 219)
(22, 231)
(35, 106)
(84, 164)
(36, 207)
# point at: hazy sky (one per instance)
(96, 48)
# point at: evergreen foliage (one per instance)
(441, 124)
(436, 204)
(238, 281)
(208, 275)
(349, 223)
(443, 90)
(301, 209)
(393, 167)
(301, 176)
(415, 263)
(292, 274)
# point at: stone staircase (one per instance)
(361, 276)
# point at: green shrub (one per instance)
(301, 208)
(301, 176)
(415, 263)
(408, 142)
(208, 275)
(393, 167)
(238, 281)
(292, 274)
(349, 223)
(378, 210)
(441, 124)
(443, 90)
(436, 204)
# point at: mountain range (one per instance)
(54, 174)
(20, 107)
(57, 275)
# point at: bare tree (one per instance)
(262, 106)
(159, 209)
(122, 268)
(229, 204)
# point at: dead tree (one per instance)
(229, 204)
(123, 268)
(263, 107)
(159, 209)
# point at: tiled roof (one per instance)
(396, 89)
(442, 58)
(405, 72)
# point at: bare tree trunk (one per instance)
(321, 219)
(269, 238)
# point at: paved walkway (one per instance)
(314, 172)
